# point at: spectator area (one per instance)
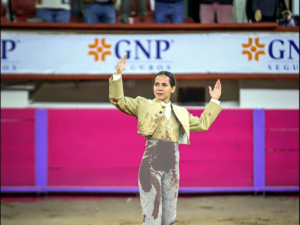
(25, 9)
(3, 13)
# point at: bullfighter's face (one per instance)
(162, 88)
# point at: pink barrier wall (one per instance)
(222, 156)
(17, 147)
(93, 148)
(102, 148)
(282, 147)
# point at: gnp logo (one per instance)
(7, 46)
(135, 49)
(99, 51)
(253, 49)
(283, 54)
(278, 49)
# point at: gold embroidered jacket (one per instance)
(150, 112)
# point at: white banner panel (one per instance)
(179, 53)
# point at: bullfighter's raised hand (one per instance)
(216, 93)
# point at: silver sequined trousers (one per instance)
(159, 182)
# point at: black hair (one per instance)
(172, 79)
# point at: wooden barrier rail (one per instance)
(271, 27)
(198, 76)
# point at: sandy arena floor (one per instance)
(208, 210)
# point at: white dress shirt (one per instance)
(168, 106)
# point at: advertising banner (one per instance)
(29, 53)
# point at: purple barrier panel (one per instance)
(259, 161)
(222, 156)
(282, 147)
(17, 147)
(93, 148)
(41, 148)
